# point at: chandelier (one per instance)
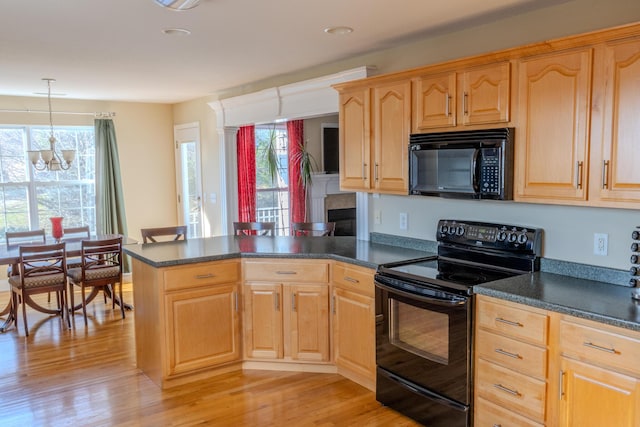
(50, 159)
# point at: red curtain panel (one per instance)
(246, 174)
(297, 199)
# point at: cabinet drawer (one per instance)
(599, 346)
(513, 321)
(355, 279)
(201, 274)
(519, 356)
(520, 393)
(486, 414)
(286, 271)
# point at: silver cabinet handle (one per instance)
(561, 385)
(286, 272)
(605, 174)
(333, 304)
(205, 276)
(276, 302)
(364, 171)
(447, 104)
(464, 104)
(235, 300)
(506, 353)
(598, 347)
(508, 322)
(507, 389)
(375, 171)
(293, 302)
(579, 174)
(350, 279)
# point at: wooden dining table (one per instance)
(11, 256)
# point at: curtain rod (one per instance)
(98, 115)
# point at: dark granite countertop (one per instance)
(589, 299)
(348, 249)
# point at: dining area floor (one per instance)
(87, 376)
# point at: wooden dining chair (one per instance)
(74, 234)
(313, 228)
(254, 228)
(42, 268)
(15, 239)
(177, 232)
(100, 269)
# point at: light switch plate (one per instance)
(600, 244)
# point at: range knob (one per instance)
(522, 238)
(634, 259)
(459, 230)
(502, 236)
(635, 235)
(634, 271)
(512, 237)
(634, 282)
(444, 229)
(635, 247)
(452, 230)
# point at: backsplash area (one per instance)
(565, 268)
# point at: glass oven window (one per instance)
(422, 332)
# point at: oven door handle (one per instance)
(431, 300)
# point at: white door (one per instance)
(188, 177)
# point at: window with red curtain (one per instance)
(297, 196)
(246, 147)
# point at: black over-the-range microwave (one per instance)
(475, 164)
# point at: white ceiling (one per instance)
(115, 49)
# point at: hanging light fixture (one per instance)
(50, 159)
(178, 4)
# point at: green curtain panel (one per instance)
(110, 212)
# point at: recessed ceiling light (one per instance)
(176, 32)
(338, 30)
(178, 4)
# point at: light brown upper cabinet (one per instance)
(354, 133)
(484, 97)
(374, 132)
(615, 144)
(552, 138)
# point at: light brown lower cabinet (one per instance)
(353, 320)
(286, 310)
(585, 375)
(187, 320)
(286, 321)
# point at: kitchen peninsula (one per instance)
(211, 305)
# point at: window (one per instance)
(28, 197)
(272, 176)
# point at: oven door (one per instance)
(426, 339)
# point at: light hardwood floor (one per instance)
(88, 377)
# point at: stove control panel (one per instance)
(635, 261)
(489, 235)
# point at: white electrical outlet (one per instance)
(600, 244)
(403, 220)
(377, 217)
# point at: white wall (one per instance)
(568, 231)
(145, 141)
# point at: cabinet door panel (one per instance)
(354, 133)
(202, 328)
(309, 314)
(616, 172)
(354, 333)
(486, 94)
(263, 321)
(552, 140)
(392, 117)
(434, 102)
(595, 397)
